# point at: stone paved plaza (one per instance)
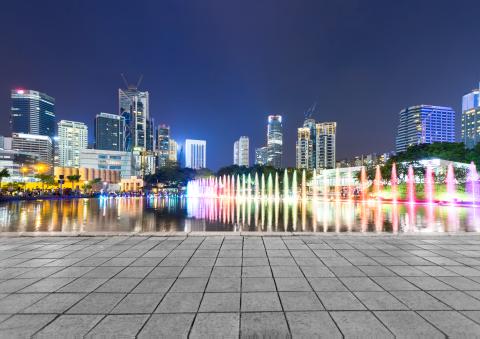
(240, 286)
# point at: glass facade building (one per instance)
(134, 107)
(471, 118)
(275, 141)
(109, 132)
(241, 152)
(425, 124)
(163, 145)
(32, 112)
(39, 145)
(195, 154)
(304, 148)
(325, 144)
(261, 155)
(72, 139)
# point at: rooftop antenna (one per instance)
(124, 80)
(309, 112)
(139, 81)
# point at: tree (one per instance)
(4, 173)
(45, 179)
(73, 179)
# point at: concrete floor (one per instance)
(240, 286)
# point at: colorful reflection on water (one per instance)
(204, 214)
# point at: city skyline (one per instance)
(313, 55)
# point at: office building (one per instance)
(163, 145)
(107, 160)
(32, 112)
(15, 161)
(72, 139)
(39, 145)
(304, 148)
(325, 144)
(241, 152)
(173, 151)
(261, 155)
(5, 142)
(109, 132)
(134, 107)
(275, 141)
(471, 118)
(195, 153)
(425, 124)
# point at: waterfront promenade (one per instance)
(231, 286)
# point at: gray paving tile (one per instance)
(138, 303)
(14, 303)
(24, 325)
(119, 285)
(189, 285)
(327, 284)
(167, 326)
(113, 326)
(54, 303)
(360, 284)
(453, 324)
(96, 303)
(260, 301)
(317, 272)
(216, 325)
(83, 285)
(360, 324)
(226, 271)
(223, 285)
(340, 301)
(14, 285)
(292, 284)
(165, 272)
(258, 284)
(179, 303)
(69, 326)
(429, 283)
(300, 301)
(160, 285)
(457, 300)
(220, 302)
(263, 325)
(312, 325)
(417, 326)
(419, 300)
(379, 301)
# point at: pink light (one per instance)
(20, 91)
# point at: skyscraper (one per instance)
(241, 152)
(325, 144)
(173, 151)
(109, 132)
(134, 107)
(471, 118)
(261, 155)
(195, 153)
(163, 144)
(275, 141)
(72, 138)
(304, 148)
(425, 124)
(32, 112)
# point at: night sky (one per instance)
(216, 69)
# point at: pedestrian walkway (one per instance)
(240, 286)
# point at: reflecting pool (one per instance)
(203, 214)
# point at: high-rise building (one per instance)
(304, 148)
(32, 112)
(275, 141)
(163, 144)
(134, 107)
(109, 132)
(241, 152)
(425, 124)
(325, 144)
(195, 153)
(39, 145)
(72, 139)
(172, 151)
(471, 118)
(261, 155)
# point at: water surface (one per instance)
(200, 214)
